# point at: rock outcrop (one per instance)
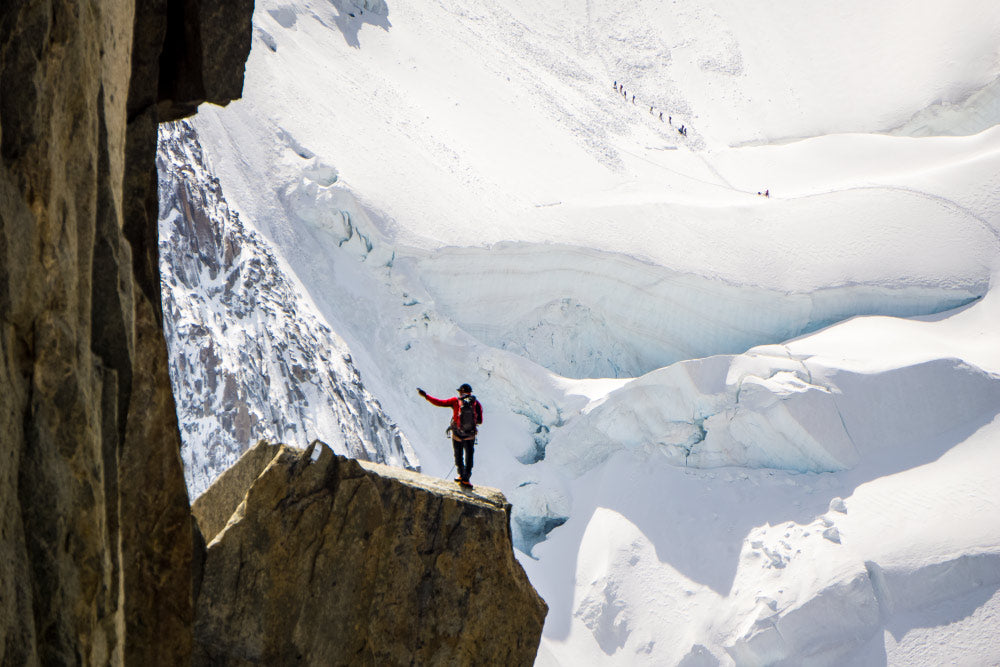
(95, 531)
(329, 560)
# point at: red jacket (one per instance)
(455, 404)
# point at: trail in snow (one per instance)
(724, 184)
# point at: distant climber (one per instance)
(670, 119)
(633, 99)
(661, 116)
(650, 109)
(467, 414)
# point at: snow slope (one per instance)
(735, 429)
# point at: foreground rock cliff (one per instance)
(95, 529)
(314, 558)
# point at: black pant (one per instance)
(466, 446)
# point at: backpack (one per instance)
(466, 427)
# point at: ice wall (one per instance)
(584, 313)
(977, 112)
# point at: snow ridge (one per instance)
(249, 356)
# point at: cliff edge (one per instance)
(330, 560)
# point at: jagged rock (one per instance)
(95, 531)
(213, 508)
(250, 357)
(329, 560)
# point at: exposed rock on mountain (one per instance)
(250, 357)
(95, 533)
(328, 560)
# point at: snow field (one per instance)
(783, 577)
(465, 197)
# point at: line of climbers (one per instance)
(682, 130)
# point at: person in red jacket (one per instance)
(466, 416)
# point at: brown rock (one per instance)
(334, 561)
(95, 534)
(213, 508)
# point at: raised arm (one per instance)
(442, 403)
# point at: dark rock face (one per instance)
(95, 535)
(327, 560)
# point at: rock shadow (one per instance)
(353, 14)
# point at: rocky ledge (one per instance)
(313, 558)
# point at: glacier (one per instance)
(735, 430)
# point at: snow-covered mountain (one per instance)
(735, 429)
(249, 356)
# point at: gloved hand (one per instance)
(421, 392)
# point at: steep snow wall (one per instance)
(854, 392)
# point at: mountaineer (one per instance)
(467, 414)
